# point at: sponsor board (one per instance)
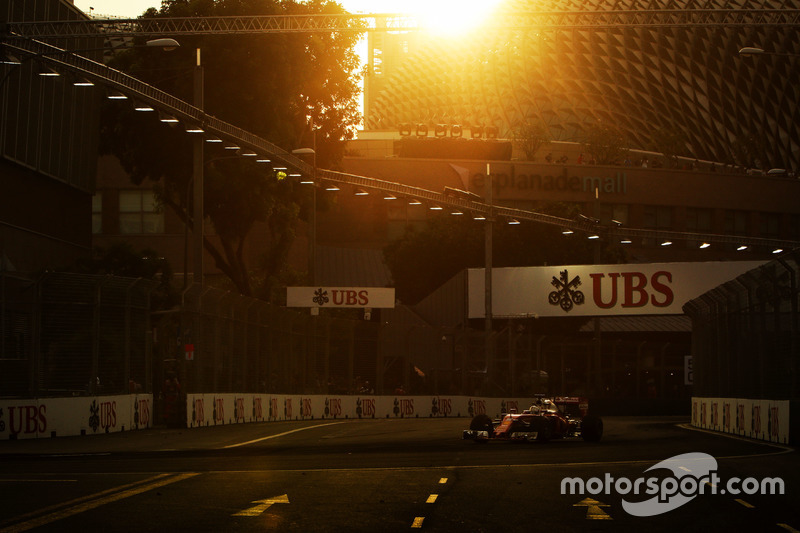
(598, 290)
(363, 297)
(60, 417)
(219, 409)
(766, 420)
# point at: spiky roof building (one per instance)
(667, 73)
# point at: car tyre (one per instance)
(592, 428)
(545, 431)
(482, 423)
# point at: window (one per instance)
(617, 212)
(736, 222)
(139, 212)
(657, 217)
(698, 221)
(794, 227)
(769, 225)
(97, 213)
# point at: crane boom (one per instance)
(542, 20)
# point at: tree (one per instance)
(424, 259)
(749, 151)
(606, 143)
(531, 135)
(273, 85)
(121, 259)
(671, 143)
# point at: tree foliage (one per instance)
(671, 143)
(121, 259)
(606, 143)
(749, 151)
(530, 136)
(424, 259)
(273, 85)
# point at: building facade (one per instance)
(691, 201)
(48, 152)
(681, 87)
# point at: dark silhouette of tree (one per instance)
(530, 136)
(121, 259)
(671, 142)
(273, 85)
(749, 151)
(606, 143)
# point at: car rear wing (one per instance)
(572, 405)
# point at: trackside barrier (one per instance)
(767, 420)
(84, 415)
(216, 409)
(88, 415)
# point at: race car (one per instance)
(546, 419)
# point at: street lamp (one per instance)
(750, 51)
(312, 218)
(198, 210)
(755, 51)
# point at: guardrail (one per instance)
(90, 415)
(767, 420)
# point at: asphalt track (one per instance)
(377, 475)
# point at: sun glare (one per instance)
(450, 16)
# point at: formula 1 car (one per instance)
(546, 419)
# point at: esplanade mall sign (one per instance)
(509, 182)
(598, 290)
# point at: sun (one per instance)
(450, 16)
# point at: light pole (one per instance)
(198, 177)
(312, 251)
(312, 217)
(487, 237)
(791, 146)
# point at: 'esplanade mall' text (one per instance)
(616, 184)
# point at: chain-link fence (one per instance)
(221, 342)
(68, 334)
(746, 334)
(71, 334)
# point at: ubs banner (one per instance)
(84, 415)
(757, 419)
(221, 409)
(597, 290)
(366, 297)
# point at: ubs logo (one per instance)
(566, 294)
(614, 289)
(320, 297)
